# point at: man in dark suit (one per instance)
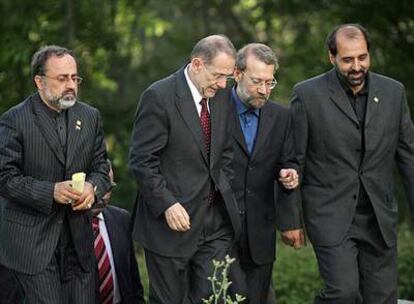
(265, 170)
(180, 155)
(115, 227)
(45, 232)
(351, 125)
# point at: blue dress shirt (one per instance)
(249, 120)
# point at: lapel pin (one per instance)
(376, 99)
(78, 125)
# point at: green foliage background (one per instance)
(124, 45)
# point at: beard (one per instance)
(254, 102)
(353, 78)
(62, 102)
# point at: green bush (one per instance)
(296, 277)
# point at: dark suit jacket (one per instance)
(169, 161)
(31, 162)
(328, 147)
(256, 180)
(118, 225)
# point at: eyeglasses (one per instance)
(63, 79)
(269, 84)
(218, 76)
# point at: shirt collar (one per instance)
(240, 106)
(194, 91)
(100, 216)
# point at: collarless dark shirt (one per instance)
(59, 120)
(359, 104)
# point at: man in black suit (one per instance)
(351, 125)
(45, 232)
(115, 227)
(180, 155)
(265, 170)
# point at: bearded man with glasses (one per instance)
(45, 229)
(265, 171)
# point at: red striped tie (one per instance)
(106, 281)
(205, 122)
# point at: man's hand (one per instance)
(64, 193)
(294, 238)
(177, 218)
(289, 178)
(87, 198)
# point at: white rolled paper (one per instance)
(78, 181)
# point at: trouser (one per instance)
(181, 280)
(361, 269)
(63, 281)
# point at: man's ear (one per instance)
(332, 58)
(38, 80)
(197, 64)
(237, 74)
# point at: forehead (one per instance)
(223, 63)
(351, 46)
(65, 64)
(258, 68)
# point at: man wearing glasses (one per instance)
(264, 169)
(45, 231)
(180, 155)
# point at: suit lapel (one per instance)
(339, 97)
(186, 107)
(75, 130)
(237, 130)
(47, 128)
(263, 129)
(372, 101)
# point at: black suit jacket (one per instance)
(32, 160)
(256, 185)
(328, 147)
(169, 161)
(118, 225)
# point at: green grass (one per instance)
(295, 273)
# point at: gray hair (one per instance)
(260, 51)
(209, 47)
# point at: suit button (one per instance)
(248, 190)
(241, 212)
(354, 196)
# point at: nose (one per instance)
(262, 89)
(356, 65)
(222, 83)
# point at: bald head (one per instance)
(209, 47)
(348, 31)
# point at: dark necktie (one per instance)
(206, 128)
(205, 125)
(106, 281)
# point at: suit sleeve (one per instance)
(288, 204)
(149, 137)
(99, 168)
(405, 151)
(14, 186)
(300, 127)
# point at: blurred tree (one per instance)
(124, 45)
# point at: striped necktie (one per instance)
(106, 281)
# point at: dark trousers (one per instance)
(361, 269)
(249, 279)
(63, 281)
(10, 289)
(182, 280)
